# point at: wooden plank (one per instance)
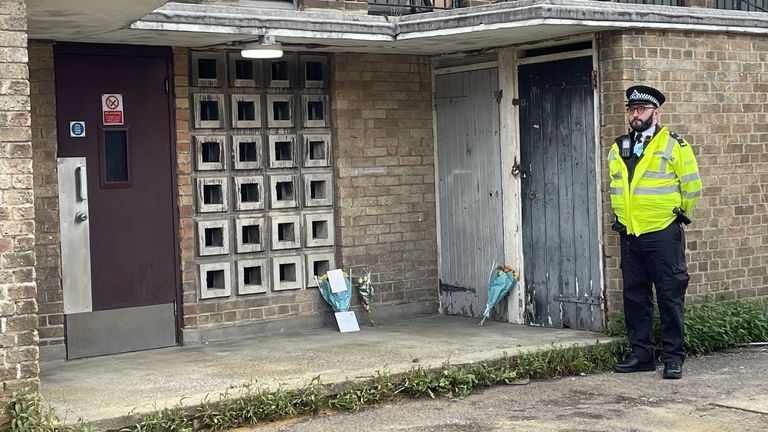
(551, 202)
(565, 137)
(582, 153)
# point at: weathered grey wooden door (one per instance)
(560, 212)
(469, 188)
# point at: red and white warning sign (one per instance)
(112, 109)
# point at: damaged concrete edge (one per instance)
(340, 26)
(191, 403)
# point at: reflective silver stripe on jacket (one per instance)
(690, 177)
(612, 155)
(691, 195)
(617, 176)
(658, 175)
(667, 156)
(657, 190)
(617, 191)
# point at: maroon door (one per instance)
(130, 193)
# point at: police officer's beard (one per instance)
(639, 126)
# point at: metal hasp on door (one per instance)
(128, 232)
(469, 188)
(559, 194)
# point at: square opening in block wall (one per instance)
(246, 111)
(317, 150)
(211, 152)
(206, 68)
(247, 152)
(319, 229)
(321, 267)
(287, 272)
(314, 71)
(249, 192)
(314, 110)
(284, 191)
(279, 71)
(283, 150)
(281, 110)
(212, 194)
(244, 69)
(209, 110)
(286, 232)
(317, 189)
(214, 237)
(251, 234)
(252, 275)
(214, 279)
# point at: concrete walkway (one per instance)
(104, 390)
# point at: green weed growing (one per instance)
(709, 326)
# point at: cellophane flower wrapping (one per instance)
(365, 287)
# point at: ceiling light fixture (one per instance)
(265, 48)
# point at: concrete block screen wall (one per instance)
(717, 98)
(252, 123)
(339, 173)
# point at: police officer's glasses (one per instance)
(639, 109)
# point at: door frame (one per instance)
(509, 61)
(165, 53)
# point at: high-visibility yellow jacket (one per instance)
(667, 176)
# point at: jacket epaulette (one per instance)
(678, 139)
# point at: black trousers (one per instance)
(657, 259)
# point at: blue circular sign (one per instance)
(77, 129)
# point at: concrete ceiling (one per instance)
(81, 20)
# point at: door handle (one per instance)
(81, 216)
(81, 183)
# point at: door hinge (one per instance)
(167, 86)
(518, 102)
(498, 94)
(175, 310)
(594, 80)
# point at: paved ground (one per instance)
(722, 392)
(104, 390)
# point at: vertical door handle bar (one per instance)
(81, 182)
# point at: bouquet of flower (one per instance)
(339, 301)
(366, 293)
(503, 278)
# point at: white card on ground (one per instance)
(336, 279)
(347, 321)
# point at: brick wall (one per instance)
(384, 196)
(184, 183)
(717, 98)
(18, 308)
(47, 239)
(384, 160)
(211, 318)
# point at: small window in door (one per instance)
(115, 159)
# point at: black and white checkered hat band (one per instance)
(637, 96)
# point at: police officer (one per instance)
(655, 183)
